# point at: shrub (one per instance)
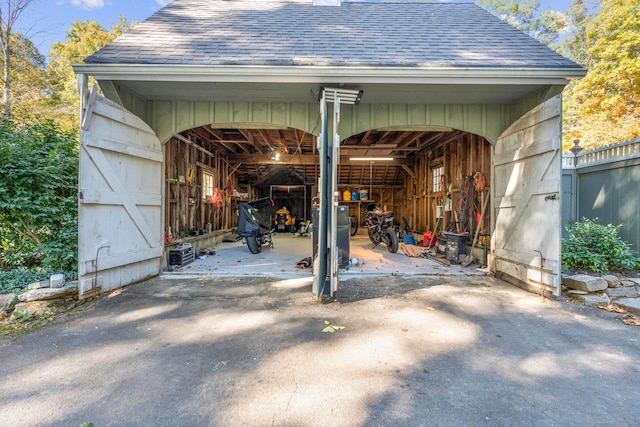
(591, 246)
(38, 195)
(17, 279)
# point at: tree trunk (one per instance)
(10, 11)
(6, 78)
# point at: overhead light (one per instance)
(346, 96)
(371, 159)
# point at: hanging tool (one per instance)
(484, 208)
(468, 259)
(446, 198)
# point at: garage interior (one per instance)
(208, 171)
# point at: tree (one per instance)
(83, 39)
(38, 194)
(574, 47)
(607, 99)
(30, 85)
(10, 11)
(526, 16)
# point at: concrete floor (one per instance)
(234, 259)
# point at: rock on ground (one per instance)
(632, 305)
(592, 300)
(583, 282)
(71, 289)
(38, 285)
(7, 301)
(615, 293)
(612, 280)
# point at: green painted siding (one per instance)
(488, 120)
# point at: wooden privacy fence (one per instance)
(604, 183)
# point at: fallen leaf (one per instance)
(613, 309)
(326, 322)
(329, 329)
(338, 328)
(224, 363)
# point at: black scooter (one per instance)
(254, 224)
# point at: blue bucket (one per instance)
(354, 195)
(408, 239)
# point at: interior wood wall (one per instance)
(186, 210)
(461, 158)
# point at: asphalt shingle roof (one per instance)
(296, 33)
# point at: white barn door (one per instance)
(525, 188)
(120, 235)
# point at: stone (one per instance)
(56, 280)
(628, 283)
(612, 280)
(616, 293)
(45, 306)
(38, 285)
(592, 300)
(577, 292)
(583, 282)
(632, 305)
(635, 280)
(71, 289)
(7, 301)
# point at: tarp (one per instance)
(254, 218)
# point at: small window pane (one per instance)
(207, 184)
(437, 173)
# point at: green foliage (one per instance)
(575, 46)
(17, 279)
(29, 84)
(525, 15)
(596, 247)
(83, 39)
(606, 102)
(38, 202)
(35, 319)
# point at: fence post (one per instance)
(575, 194)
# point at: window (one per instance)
(207, 185)
(437, 174)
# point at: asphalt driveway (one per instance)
(413, 351)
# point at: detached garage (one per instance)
(211, 102)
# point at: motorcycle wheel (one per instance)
(375, 239)
(392, 240)
(254, 245)
(353, 223)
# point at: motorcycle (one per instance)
(380, 228)
(254, 224)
